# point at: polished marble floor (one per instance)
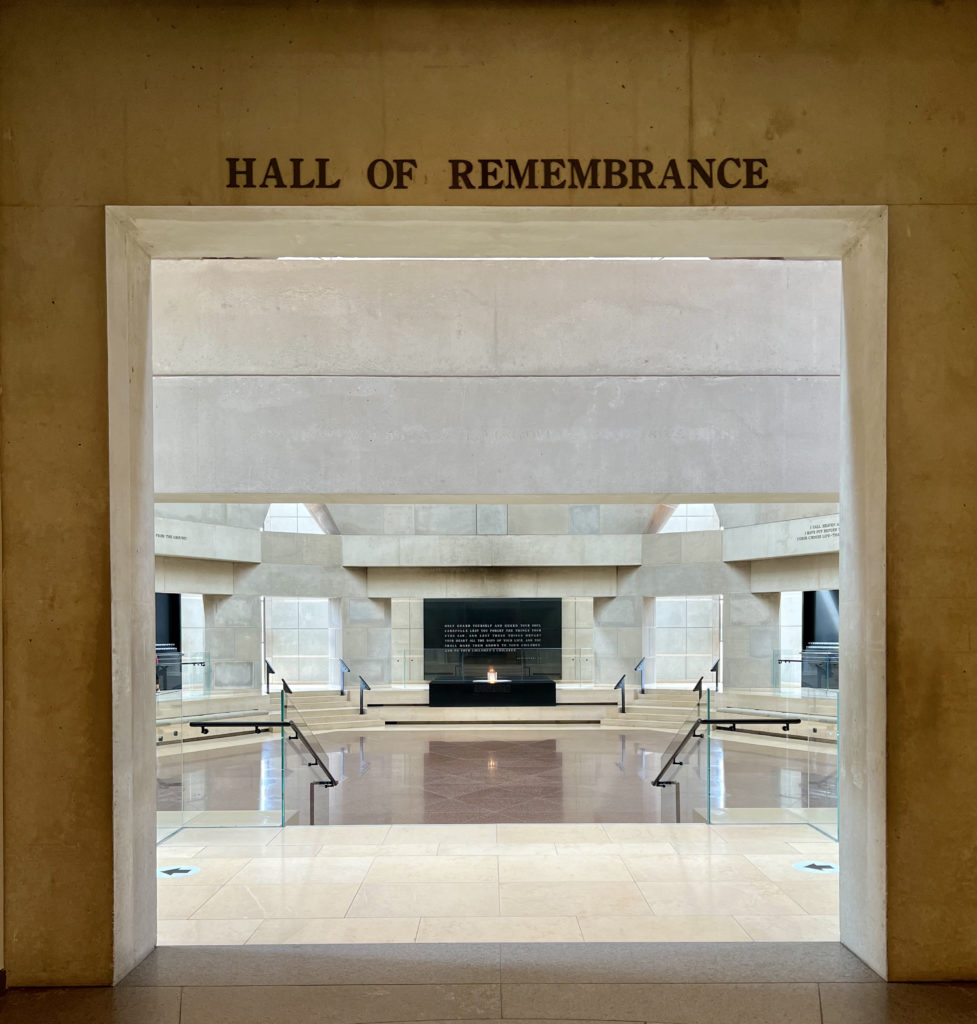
(408, 775)
(577, 883)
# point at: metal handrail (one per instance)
(266, 726)
(727, 724)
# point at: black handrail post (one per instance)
(640, 667)
(364, 685)
(619, 685)
(269, 672)
(715, 669)
(343, 669)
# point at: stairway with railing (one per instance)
(790, 736)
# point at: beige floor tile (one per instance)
(340, 1004)
(303, 870)
(700, 928)
(722, 867)
(252, 852)
(819, 896)
(575, 868)
(421, 899)
(820, 851)
(434, 869)
(204, 933)
(776, 833)
(331, 930)
(332, 835)
(735, 898)
(616, 849)
(441, 834)
(657, 833)
(177, 903)
(278, 901)
(780, 868)
(495, 849)
(325, 836)
(499, 929)
(756, 845)
(557, 899)
(224, 837)
(552, 834)
(176, 854)
(212, 870)
(809, 928)
(343, 850)
(409, 850)
(710, 848)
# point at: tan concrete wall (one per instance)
(133, 102)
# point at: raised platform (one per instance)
(479, 693)
(574, 705)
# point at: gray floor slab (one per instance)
(899, 1004)
(360, 964)
(339, 1004)
(714, 962)
(91, 1006)
(672, 1003)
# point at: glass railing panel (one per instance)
(697, 710)
(230, 774)
(307, 673)
(307, 763)
(196, 674)
(764, 774)
(685, 793)
(683, 768)
(169, 758)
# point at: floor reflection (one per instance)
(441, 776)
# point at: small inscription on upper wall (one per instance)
(481, 174)
(824, 530)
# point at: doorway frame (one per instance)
(855, 235)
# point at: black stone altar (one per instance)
(461, 693)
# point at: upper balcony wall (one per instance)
(496, 317)
(648, 379)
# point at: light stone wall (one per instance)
(686, 639)
(453, 551)
(488, 318)
(811, 572)
(366, 639)
(683, 565)
(192, 576)
(791, 636)
(248, 516)
(232, 637)
(192, 624)
(231, 436)
(303, 639)
(850, 104)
